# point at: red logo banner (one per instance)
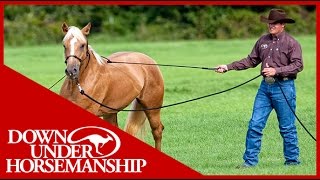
(46, 136)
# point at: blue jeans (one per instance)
(269, 96)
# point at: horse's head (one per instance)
(75, 48)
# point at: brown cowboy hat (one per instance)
(276, 15)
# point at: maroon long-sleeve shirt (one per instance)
(282, 53)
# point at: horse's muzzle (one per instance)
(72, 73)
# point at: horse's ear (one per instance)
(86, 29)
(65, 28)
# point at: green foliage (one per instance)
(32, 24)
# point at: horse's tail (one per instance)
(136, 121)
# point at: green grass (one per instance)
(208, 135)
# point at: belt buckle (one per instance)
(269, 80)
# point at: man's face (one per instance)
(276, 28)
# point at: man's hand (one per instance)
(268, 71)
(222, 69)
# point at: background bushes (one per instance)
(41, 24)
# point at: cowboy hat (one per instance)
(276, 15)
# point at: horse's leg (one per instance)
(111, 118)
(156, 126)
(136, 121)
(152, 97)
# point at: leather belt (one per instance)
(271, 80)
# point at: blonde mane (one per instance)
(96, 55)
(74, 32)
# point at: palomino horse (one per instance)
(114, 85)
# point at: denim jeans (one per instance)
(269, 97)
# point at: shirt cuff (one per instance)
(230, 67)
(278, 70)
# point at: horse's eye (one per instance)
(64, 46)
(82, 46)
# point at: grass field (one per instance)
(207, 135)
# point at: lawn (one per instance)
(207, 135)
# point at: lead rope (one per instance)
(168, 65)
(57, 82)
(295, 113)
(174, 104)
(161, 107)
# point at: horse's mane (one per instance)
(96, 55)
(75, 32)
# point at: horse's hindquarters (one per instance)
(149, 81)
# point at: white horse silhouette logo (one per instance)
(97, 139)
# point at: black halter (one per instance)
(79, 59)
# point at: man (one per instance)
(280, 56)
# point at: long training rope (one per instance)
(182, 102)
(170, 105)
(57, 82)
(167, 65)
(295, 113)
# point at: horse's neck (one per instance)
(89, 69)
(68, 88)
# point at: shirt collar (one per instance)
(278, 37)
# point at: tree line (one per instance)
(35, 24)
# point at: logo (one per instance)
(264, 46)
(83, 150)
(97, 140)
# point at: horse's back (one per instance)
(149, 74)
(135, 58)
(128, 56)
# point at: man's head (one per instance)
(276, 28)
(276, 21)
